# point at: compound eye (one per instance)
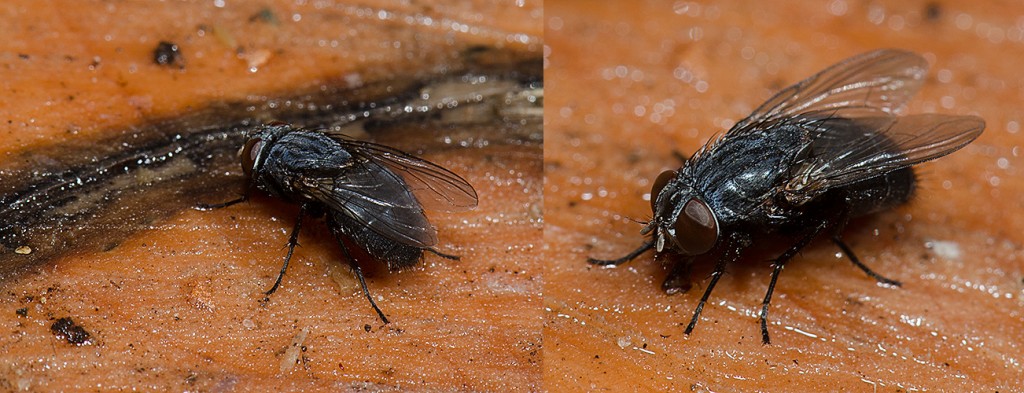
(249, 153)
(696, 228)
(659, 184)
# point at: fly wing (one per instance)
(436, 188)
(373, 195)
(844, 151)
(387, 190)
(868, 85)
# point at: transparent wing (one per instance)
(871, 84)
(374, 196)
(844, 151)
(436, 188)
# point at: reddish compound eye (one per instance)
(659, 184)
(696, 228)
(249, 154)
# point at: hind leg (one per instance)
(856, 261)
(355, 269)
(778, 265)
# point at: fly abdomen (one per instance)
(872, 194)
(396, 255)
(881, 192)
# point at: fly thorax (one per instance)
(796, 194)
(306, 182)
(801, 187)
(779, 210)
(272, 186)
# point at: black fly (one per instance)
(369, 194)
(806, 161)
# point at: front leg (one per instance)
(678, 280)
(214, 206)
(629, 257)
(738, 241)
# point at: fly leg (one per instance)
(629, 257)
(443, 255)
(778, 264)
(838, 240)
(678, 280)
(856, 261)
(214, 206)
(355, 269)
(679, 156)
(362, 281)
(737, 242)
(293, 241)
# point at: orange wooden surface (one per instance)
(178, 307)
(628, 84)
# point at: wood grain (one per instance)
(178, 306)
(630, 85)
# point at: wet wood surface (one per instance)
(178, 306)
(629, 86)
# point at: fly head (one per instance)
(254, 153)
(682, 220)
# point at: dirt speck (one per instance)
(66, 329)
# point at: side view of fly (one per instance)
(370, 195)
(815, 155)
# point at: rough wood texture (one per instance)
(178, 307)
(629, 85)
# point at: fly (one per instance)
(369, 194)
(809, 159)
